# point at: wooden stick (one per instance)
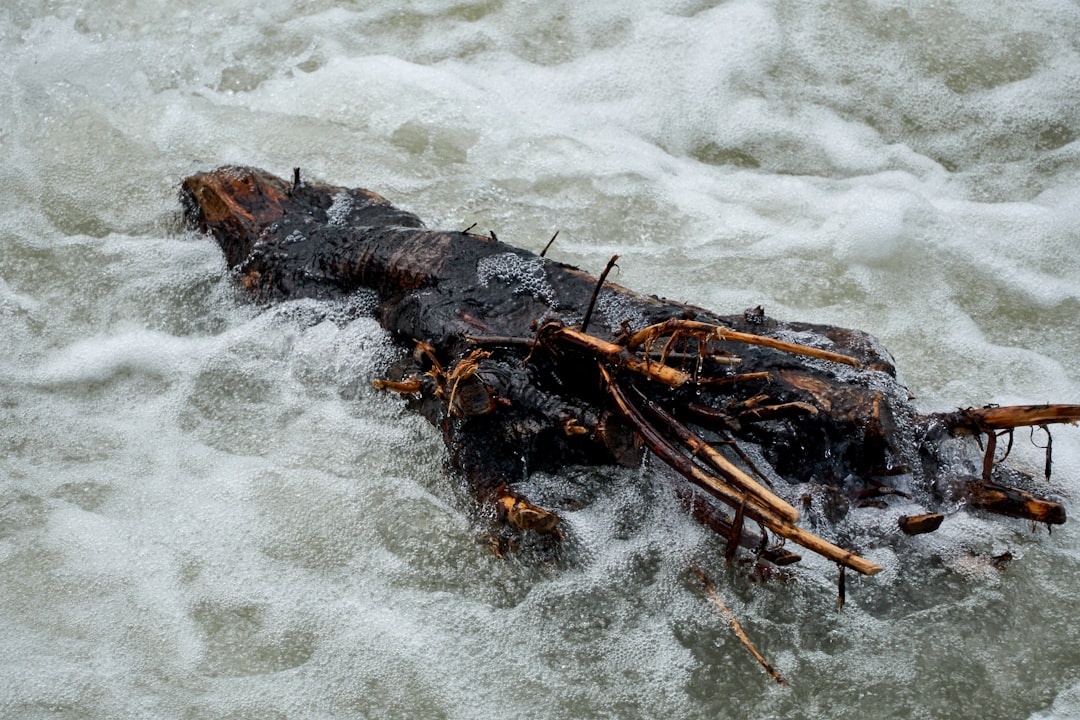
(1009, 416)
(793, 348)
(722, 465)
(1013, 502)
(546, 247)
(659, 445)
(408, 386)
(737, 628)
(596, 292)
(722, 333)
(919, 524)
(617, 355)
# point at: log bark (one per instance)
(501, 364)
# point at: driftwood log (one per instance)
(524, 363)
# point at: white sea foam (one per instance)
(205, 511)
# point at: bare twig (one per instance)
(596, 292)
(737, 628)
(544, 251)
(722, 333)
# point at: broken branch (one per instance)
(737, 628)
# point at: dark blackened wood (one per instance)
(504, 370)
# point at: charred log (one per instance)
(524, 363)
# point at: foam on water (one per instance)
(525, 274)
(205, 511)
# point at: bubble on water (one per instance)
(1066, 705)
(338, 212)
(616, 310)
(886, 163)
(525, 274)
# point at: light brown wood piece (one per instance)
(1014, 416)
(737, 628)
(617, 355)
(722, 333)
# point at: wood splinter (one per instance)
(736, 627)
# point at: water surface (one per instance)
(205, 511)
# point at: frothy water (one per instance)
(205, 511)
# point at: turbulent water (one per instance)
(206, 512)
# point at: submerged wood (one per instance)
(501, 365)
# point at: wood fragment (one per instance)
(405, 387)
(736, 627)
(1004, 500)
(549, 242)
(1010, 416)
(920, 524)
(596, 292)
(524, 515)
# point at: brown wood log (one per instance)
(505, 370)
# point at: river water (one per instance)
(205, 511)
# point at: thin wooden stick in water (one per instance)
(544, 251)
(730, 616)
(596, 292)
